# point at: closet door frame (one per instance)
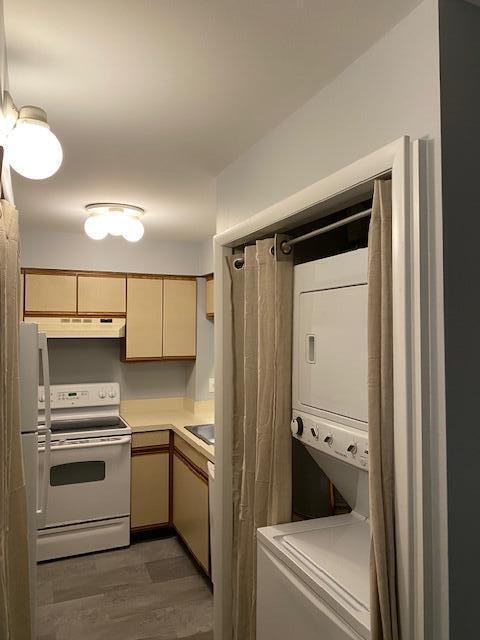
(411, 352)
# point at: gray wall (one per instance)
(460, 107)
(98, 360)
(61, 250)
(202, 369)
(390, 91)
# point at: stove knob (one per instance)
(111, 393)
(297, 426)
(101, 394)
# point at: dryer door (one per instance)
(332, 352)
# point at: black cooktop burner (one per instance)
(87, 424)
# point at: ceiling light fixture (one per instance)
(114, 219)
(31, 147)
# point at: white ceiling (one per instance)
(151, 99)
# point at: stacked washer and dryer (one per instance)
(313, 576)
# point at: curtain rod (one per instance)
(288, 244)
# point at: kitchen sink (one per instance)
(205, 432)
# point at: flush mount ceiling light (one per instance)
(31, 147)
(115, 219)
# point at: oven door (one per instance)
(89, 479)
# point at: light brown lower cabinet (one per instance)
(190, 508)
(170, 487)
(150, 481)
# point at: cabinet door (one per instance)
(190, 510)
(150, 495)
(179, 318)
(209, 300)
(101, 294)
(144, 318)
(50, 293)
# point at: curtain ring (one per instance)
(238, 263)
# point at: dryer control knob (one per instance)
(111, 393)
(41, 397)
(297, 426)
(352, 448)
(101, 394)
(328, 439)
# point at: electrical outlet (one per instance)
(211, 385)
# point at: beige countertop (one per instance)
(159, 414)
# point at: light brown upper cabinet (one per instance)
(179, 317)
(101, 294)
(144, 318)
(50, 293)
(209, 299)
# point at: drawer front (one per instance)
(192, 454)
(150, 439)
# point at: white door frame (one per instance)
(330, 194)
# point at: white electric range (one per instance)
(87, 471)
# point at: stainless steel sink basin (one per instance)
(205, 432)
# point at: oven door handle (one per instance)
(89, 445)
(42, 507)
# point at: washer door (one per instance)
(287, 608)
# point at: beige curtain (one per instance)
(384, 618)
(15, 623)
(262, 290)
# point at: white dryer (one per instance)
(330, 338)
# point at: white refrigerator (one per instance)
(33, 360)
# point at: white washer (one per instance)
(313, 580)
(313, 576)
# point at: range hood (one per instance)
(86, 327)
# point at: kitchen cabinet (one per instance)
(150, 494)
(98, 294)
(50, 293)
(190, 503)
(179, 317)
(209, 299)
(144, 335)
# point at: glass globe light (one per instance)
(96, 227)
(33, 150)
(133, 230)
(116, 222)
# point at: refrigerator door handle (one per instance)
(42, 507)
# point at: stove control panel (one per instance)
(345, 443)
(81, 395)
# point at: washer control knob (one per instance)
(314, 432)
(41, 397)
(352, 448)
(297, 426)
(101, 394)
(328, 439)
(111, 393)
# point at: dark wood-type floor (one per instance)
(150, 591)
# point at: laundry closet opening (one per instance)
(313, 494)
